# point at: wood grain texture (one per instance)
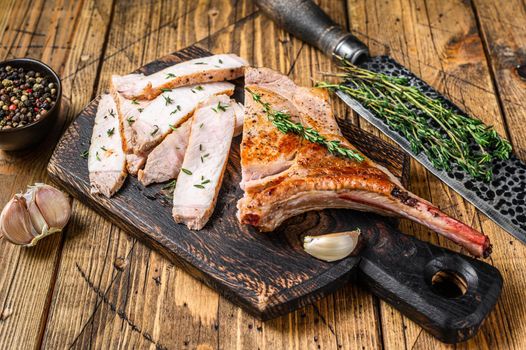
(440, 42)
(107, 292)
(504, 43)
(38, 29)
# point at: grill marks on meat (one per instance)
(106, 159)
(205, 161)
(197, 71)
(284, 175)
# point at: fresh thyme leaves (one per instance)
(186, 171)
(140, 110)
(135, 102)
(130, 120)
(430, 126)
(168, 189)
(104, 148)
(173, 127)
(155, 130)
(170, 75)
(283, 122)
(220, 107)
(201, 125)
(200, 147)
(199, 88)
(85, 154)
(168, 100)
(200, 63)
(220, 61)
(177, 109)
(203, 183)
(97, 156)
(112, 113)
(110, 132)
(166, 90)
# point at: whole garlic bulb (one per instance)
(40, 211)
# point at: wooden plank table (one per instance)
(94, 286)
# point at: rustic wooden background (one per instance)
(94, 286)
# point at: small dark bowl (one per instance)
(31, 134)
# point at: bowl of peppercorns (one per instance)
(30, 93)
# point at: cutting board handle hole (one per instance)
(449, 284)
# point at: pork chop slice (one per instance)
(197, 71)
(106, 159)
(317, 179)
(165, 160)
(128, 112)
(169, 110)
(205, 162)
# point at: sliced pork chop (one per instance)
(197, 71)
(106, 159)
(313, 178)
(128, 113)
(169, 110)
(165, 160)
(205, 161)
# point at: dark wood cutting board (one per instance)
(268, 274)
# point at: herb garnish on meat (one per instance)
(168, 100)
(430, 126)
(284, 123)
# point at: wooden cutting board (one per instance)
(267, 274)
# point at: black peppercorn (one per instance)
(25, 96)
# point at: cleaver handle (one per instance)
(446, 293)
(306, 21)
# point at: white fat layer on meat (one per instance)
(170, 109)
(105, 152)
(239, 111)
(205, 160)
(136, 84)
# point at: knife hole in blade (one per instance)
(449, 284)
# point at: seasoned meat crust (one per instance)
(284, 175)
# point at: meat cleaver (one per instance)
(503, 199)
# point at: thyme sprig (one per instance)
(431, 127)
(282, 120)
(168, 189)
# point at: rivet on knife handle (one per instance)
(306, 21)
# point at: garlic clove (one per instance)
(38, 221)
(54, 206)
(333, 246)
(15, 223)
